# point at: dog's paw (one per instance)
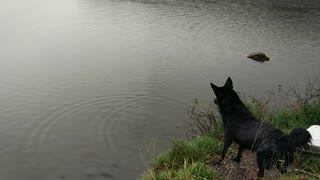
(268, 165)
(260, 175)
(283, 171)
(236, 159)
(214, 163)
(219, 162)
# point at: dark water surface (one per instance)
(85, 85)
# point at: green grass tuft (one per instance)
(307, 162)
(189, 171)
(303, 116)
(217, 131)
(192, 151)
(185, 159)
(196, 149)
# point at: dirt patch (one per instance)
(246, 169)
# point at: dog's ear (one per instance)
(229, 83)
(214, 87)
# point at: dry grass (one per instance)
(200, 120)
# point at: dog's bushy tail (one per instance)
(299, 137)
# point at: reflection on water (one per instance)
(87, 85)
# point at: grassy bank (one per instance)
(190, 159)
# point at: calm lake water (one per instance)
(86, 85)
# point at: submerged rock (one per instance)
(258, 56)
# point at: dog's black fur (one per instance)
(269, 143)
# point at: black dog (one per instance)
(269, 143)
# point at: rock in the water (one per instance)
(258, 56)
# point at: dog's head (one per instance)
(223, 93)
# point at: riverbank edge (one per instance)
(190, 159)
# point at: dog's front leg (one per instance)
(227, 142)
(239, 155)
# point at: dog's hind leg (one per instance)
(281, 167)
(261, 162)
(268, 159)
(239, 155)
(268, 165)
